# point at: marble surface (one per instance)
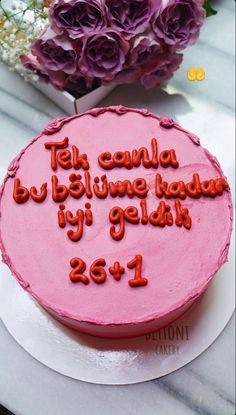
(206, 385)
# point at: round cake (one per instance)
(115, 220)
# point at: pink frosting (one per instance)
(178, 263)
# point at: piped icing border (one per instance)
(165, 122)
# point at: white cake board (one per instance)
(117, 362)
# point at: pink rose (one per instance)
(31, 63)
(145, 48)
(126, 76)
(77, 17)
(161, 69)
(57, 79)
(103, 55)
(56, 53)
(79, 84)
(130, 16)
(178, 22)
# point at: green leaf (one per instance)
(209, 10)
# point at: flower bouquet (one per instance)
(81, 45)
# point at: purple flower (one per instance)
(144, 49)
(178, 22)
(126, 76)
(103, 55)
(79, 84)
(57, 79)
(31, 63)
(77, 17)
(56, 53)
(130, 16)
(161, 69)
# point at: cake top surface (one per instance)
(170, 252)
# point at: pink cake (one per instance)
(115, 220)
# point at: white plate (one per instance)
(117, 362)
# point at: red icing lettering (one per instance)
(39, 198)
(138, 280)
(97, 272)
(53, 146)
(177, 189)
(78, 220)
(131, 215)
(193, 189)
(144, 217)
(76, 188)
(59, 191)
(160, 187)
(76, 275)
(121, 189)
(116, 271)
(128, 162)
(101, 193)
(140, 188)
(61, 216)
(168, 159)
(104, 160)
(20, 193)
(64, 159)
(79, 160)
(119, 158)
(182, 216)
(88, 190)
(116, 216)
(208, 188)
(162, 216)
(154, 153)
(220, 185)
(139, 157)
(88, 215)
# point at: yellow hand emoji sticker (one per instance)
(192, 75)
(200, 74)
